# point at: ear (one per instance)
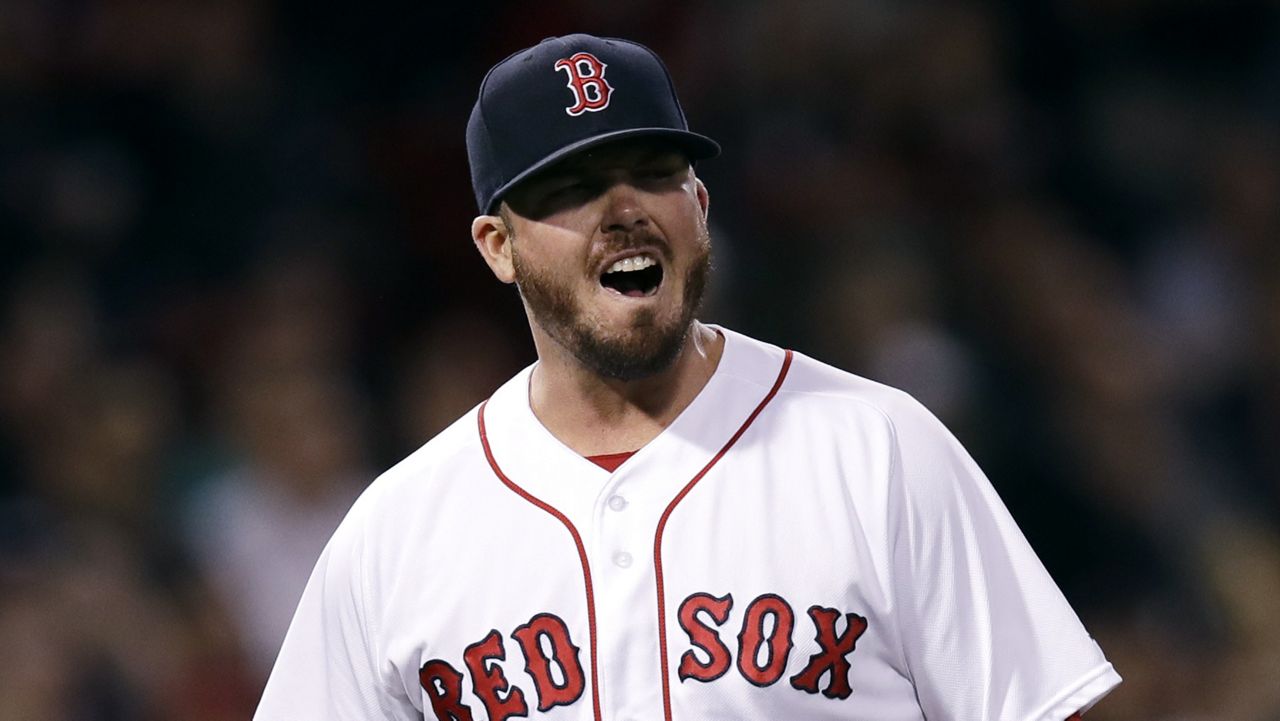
(493, 240)
(704, 200)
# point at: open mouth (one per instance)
(637, 277)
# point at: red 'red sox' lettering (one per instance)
(488, 680)
(833, 655)
(563, 653)
(443, 685)
(704, 637)
(764, 645)
(753, 638)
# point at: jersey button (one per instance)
(617, 503)
(622, 559)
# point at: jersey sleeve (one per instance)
(328, 668)
(986, 632)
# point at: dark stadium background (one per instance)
(238, 283)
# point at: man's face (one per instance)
(611, 255)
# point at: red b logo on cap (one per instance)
(586, 79)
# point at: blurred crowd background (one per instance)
(238, 283)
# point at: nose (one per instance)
(623, 210)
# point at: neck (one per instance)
(595, 415)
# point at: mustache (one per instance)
(632, 240)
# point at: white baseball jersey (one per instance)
(799, 543)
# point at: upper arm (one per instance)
(328, 668)
(986, 631)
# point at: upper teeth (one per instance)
(635, 262)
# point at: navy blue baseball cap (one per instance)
(565, 95)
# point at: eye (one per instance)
(658, 173)
(564, 189)
(574, 190)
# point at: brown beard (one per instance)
(648, 347)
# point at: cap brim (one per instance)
(698, 147)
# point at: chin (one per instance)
(642, 349)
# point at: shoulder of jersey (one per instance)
(812, 386)
(420, 473)
(460, 442)
(813, 378)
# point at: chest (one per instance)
(754, 585)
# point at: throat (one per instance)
(599, 426)
(595, 415)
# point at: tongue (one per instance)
(633, 284)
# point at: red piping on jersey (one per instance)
(577, 540)
(662, 524)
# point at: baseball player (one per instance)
(661, 518)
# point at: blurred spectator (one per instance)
(459, 362)
(257, 529)
(295, 432)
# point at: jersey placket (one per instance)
(621, 536)
(629, 512)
